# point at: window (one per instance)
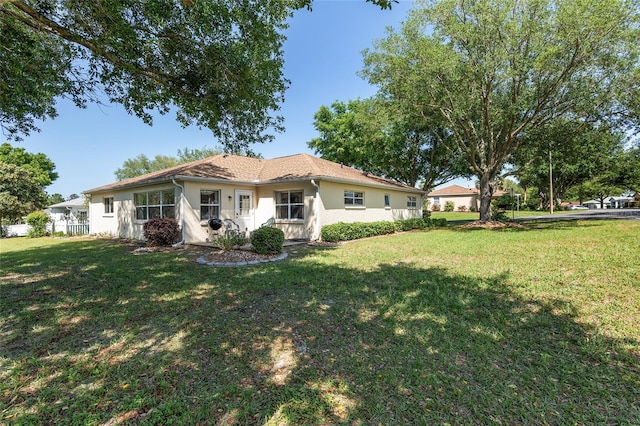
(82, 216)
(412, 202)
(387, 200)
(154, 204)
(436, 201)
(209, 204)
(290, 205)
(353, 198)
(108, 205)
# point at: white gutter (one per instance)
(179, 243)
(316, 206)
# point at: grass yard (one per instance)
(455, 216)
(513, 326)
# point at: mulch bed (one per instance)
(490, 224)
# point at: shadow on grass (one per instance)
(110, 337)
(534, 225)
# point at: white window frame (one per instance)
(108, 205)
(289, 205)
(387, 201)
(412, 202)
(354, 199)
(211, 206)
(144, 207)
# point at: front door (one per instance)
(244, 210)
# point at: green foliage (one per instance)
(267, 240)
(54, 199)
(20, 193)
(342, 231)
(628, 170)
(495, 70)
(161, 231)
(38, 222)
(382, 137)
(449, 206)
(228, 241)
(439, 222)
(499, 216)
(39, 165)
(141, 164)
(218, 65)
(579, 152)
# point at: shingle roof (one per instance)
(235, 168)
(453, 190)
(75, 202)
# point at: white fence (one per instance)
(68, 229)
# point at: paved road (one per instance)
(625, 214)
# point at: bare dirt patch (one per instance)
(490, 224)
(210, 254)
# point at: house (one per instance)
(298, 194)
(610, 203)
(458, 195)
(70, 217)
(461, 197)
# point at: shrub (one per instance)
(352, 231)
(499, 216)
(439, 223)
(228, 241)
(435, 208)
(409, 224)
(267, 240)
(161, 231)
(449, 206)
(462, 208)
(38, 222)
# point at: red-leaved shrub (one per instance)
(161, 231)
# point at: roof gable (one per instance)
(236, 168)
(454, 190)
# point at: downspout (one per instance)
(316, 231)
(179, 243)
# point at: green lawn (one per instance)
(454, 216)
(518, 326)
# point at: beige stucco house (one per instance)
(298, 194)
(459, 195)
(468, 198)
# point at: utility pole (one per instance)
(550, 183)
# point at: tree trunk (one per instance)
(486, 192)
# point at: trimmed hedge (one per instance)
(352, 231)
(267, 240)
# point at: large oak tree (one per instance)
(384, 138)
(495, 70)
(217, 63)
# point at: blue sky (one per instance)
(322, 58)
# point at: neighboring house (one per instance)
(458, 195)
(70, 217)
(298, 194)
(610, 203)
(467, 198)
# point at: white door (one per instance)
(244, 210)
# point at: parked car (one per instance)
(577, 208)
